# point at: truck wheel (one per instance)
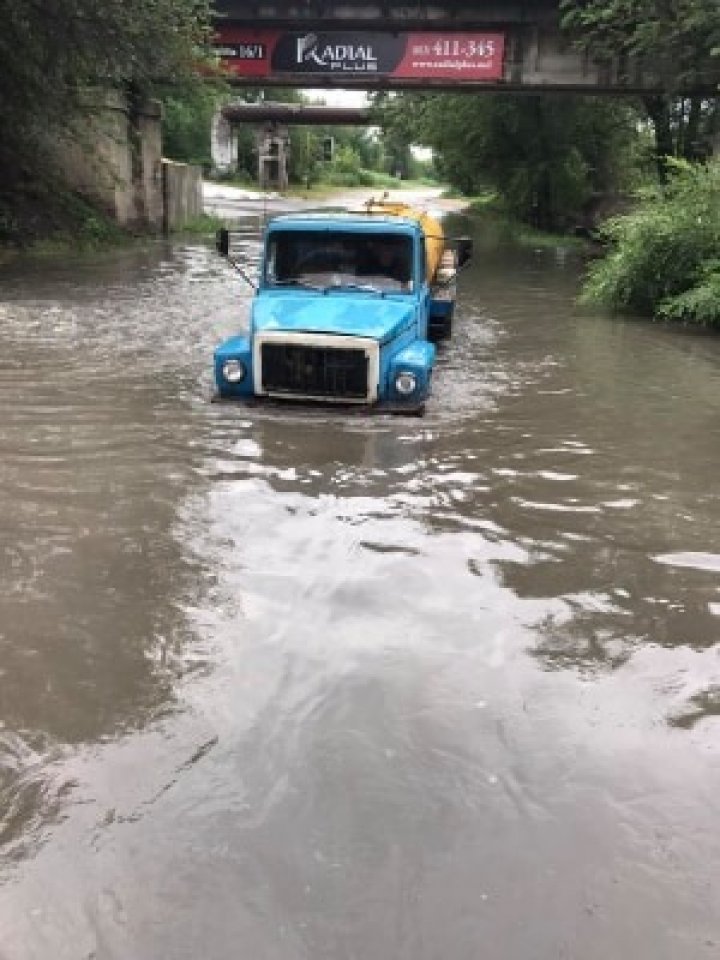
(440, 329)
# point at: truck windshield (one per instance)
(318, 258)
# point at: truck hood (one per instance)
(380, 318)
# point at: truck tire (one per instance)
(440, 329)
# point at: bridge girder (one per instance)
(384, 14)
(538, 57)
(300, 114)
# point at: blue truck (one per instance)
(347, 310)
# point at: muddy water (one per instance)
(300, 685)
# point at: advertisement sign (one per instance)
(358, 55)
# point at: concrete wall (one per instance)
(182, 191)
(115, 160)
(223, 144)
(148, 185)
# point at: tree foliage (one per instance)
(664, 257)
(360, 156)
(186, 126)
(51, 49)
(675, 42)
(678, 40)
(546, 156)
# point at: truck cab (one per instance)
(344, 313)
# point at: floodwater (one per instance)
(278, 685)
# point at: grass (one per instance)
(61, 224)
(474, 201)
(326, 188)
(50, 221)
(488, 208)
(203, 225)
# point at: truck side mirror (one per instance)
(222, 242)
(464, 251)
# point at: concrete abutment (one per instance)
(116, 162)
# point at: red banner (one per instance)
(453, 56)
(413, 56)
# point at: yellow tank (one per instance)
(432, 228)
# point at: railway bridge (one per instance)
(436, 44)
(271, 122)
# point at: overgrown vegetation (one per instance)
(362, 159)
(560, 163)
(678, 43)
(358, 157)
(547, 157)
(665, 256)
(47, 216)
(188, 109)
(50, 54)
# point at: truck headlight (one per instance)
(405, 383)
(234, 371)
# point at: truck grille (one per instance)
(313, 371)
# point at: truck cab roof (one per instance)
(360, 222)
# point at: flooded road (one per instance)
(303, 685)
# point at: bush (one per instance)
(51, 216)
(346, 170)
(664, 257)
(699, 304)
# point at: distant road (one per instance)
(228, 202)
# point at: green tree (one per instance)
(188, 109)
(52, 50)
(305, 147)
(678, 41)
(546, 156)
(675, 42)
(356, 151)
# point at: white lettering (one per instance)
(336, 56)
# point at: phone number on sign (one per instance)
(468, 49)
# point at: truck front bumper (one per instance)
(325, 370)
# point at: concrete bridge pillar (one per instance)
(118, 162)
(223, 144)
(273, 149)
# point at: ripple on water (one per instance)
(691, 561)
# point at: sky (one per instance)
(340, 98)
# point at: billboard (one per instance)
(361, 55)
